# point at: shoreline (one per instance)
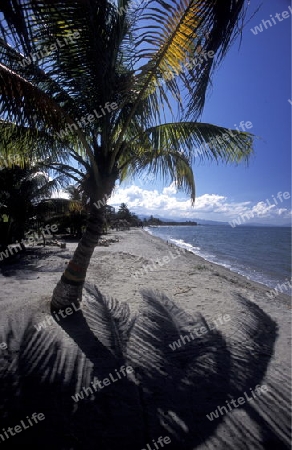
(222, 264)
(260, 286)
(22, 269)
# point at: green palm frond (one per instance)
(29, 104)
(167, 37)
(45, 88)
(169, 165)
(21, 144)
(202, 140)
(170, 149)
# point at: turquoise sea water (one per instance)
(262, 254)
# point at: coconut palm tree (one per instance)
(124, 212)
(116, 87)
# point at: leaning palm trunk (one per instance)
(69, 288)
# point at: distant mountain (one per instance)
(184, 219)
(286, 223)
(257, 224)
(210, 222)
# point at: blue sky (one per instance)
(252, 84)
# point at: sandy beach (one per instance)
(231, 341)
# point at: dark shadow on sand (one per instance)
(169, 392)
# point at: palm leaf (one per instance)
(202, 140)
(169, 165)
(167, 37)
(28, 143)
(169, 149)
(29, 104)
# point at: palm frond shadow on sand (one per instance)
(169, 392)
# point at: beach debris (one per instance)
(105, 242)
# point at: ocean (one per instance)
(261, 254)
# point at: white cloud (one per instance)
(167, 204)
(172, 189)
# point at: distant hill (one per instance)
(256, 224)
(174, 222)
(184, 220)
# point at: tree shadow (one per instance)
(168, 393)
(28, 263)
